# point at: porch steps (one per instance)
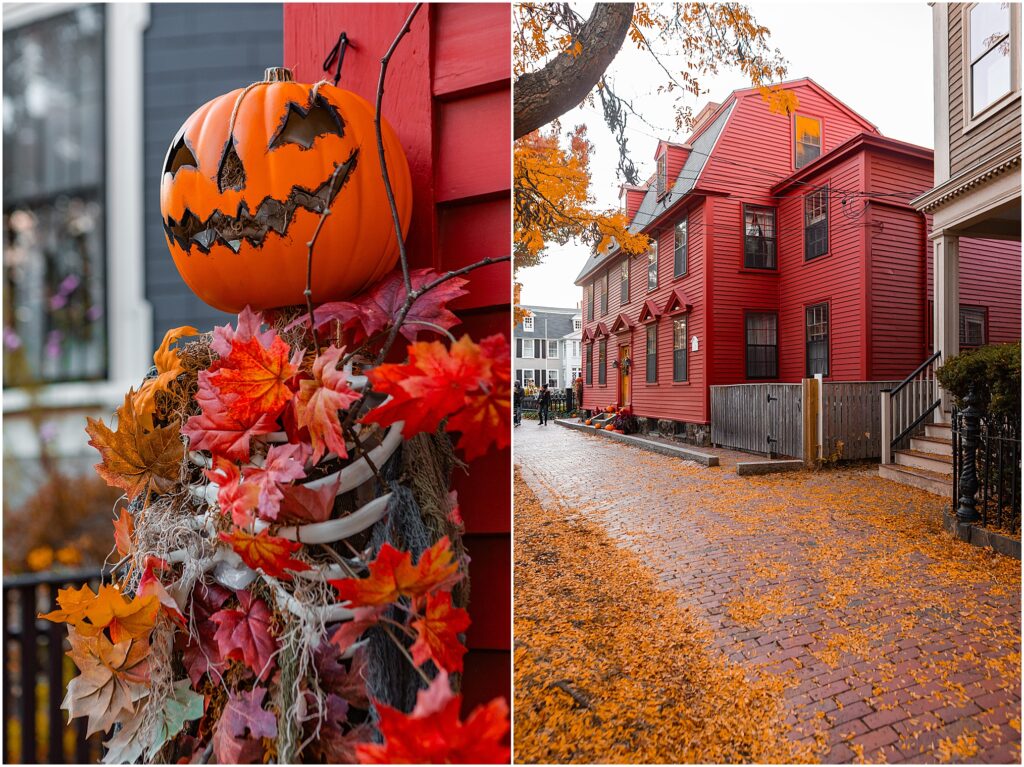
(928, 463)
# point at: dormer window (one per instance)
(807, 140)
(527, 324)
(662, 180)
(577, 325)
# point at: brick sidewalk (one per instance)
(895, 642)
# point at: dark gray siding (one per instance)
(193, 53)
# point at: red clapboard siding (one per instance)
(447, 96)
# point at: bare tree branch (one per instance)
(565, 81)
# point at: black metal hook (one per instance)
(337, 53)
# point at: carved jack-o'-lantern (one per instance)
(246, 179)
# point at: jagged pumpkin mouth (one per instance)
(271, 215)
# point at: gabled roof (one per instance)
(677, 302)
(621, 323)
(868, 126)
(587, 335)
(846, 149)
(602, 331)
(650, 312)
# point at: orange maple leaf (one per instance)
(72, 604)
(135, 459)
(168, 367)
(125, 618)
(124, 526)
(272, 555)
(437, 633)
(252, 378)
(393, 575)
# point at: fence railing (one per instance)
(907, 407)
(561, 403)
(36, 673)
(851, 411)
(992, 490)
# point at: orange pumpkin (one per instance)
(609, 427)
(587, 422)
(246, 179)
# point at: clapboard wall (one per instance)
(193, 52)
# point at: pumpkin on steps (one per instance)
(588, 422)
(609, 427)
(245, 182)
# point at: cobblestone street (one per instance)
(893, 642)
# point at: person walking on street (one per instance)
(543, 403)
(517, 404)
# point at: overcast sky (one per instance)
(875, 57)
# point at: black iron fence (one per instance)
(987, 469)
(36, 673)
(562, 403)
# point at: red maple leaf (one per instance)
(242, 724)
(319, 400)
(252, 378)
(249, 324)
(437, 633)
(217, 430)
(433, 733)
(348, 633)
(283, 464)
(300, 504)
(201, 654)
(243, 633)
(374, 311)
(428, 389)
(393, 575)
(234, 497)
(264, 552)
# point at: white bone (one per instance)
(334, 529)
(359, 471)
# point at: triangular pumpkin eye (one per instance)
(232, 173)
(180, 156)
(303, 127)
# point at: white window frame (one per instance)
(552, 374)
(652, 259)
(971, 120)
(577, 324)
(527, 349)
(528, 324)
(553, 345)
(129, 315)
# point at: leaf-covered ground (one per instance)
(886, 639)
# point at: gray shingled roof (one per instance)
(547, 323)
(652, 207)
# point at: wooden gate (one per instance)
(758, 418)
(852, 414)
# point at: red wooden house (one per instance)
(448, 97)
(781, 246)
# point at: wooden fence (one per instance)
(746, 416)
(852, 413)
(758, 418)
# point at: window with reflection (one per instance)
(991, 73)
(54, 252)
(807, 138)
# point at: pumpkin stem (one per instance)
(278, 75)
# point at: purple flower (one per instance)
(58, 301)
(12, 340)
(94, 313)
(53, 339)
(68, 285)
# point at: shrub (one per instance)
(625, 421)
(995, 373)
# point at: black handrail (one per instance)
(920, 368)
(917, 422)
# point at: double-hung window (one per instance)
(604, 294)
(602, 361)
(758, 237)
(528, 324)
(990, 54)
(682, 246)
(652, 353)
(527, 349)
(553, 350)
(590, 301)
(652, 266)
(590, 364)
(806, 140)
(662, 175)
(762, 345)
(816, 223)
(679, 334)
(624, 281)
(816, 321)
(972, 326)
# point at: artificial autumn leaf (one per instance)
(283, 464)
(437, 633)
(243, 633)
(348, 632)
(336, 744)
(376, 309)
(113, 677)
(147, 732)
(433, 733)
(334, 676)
(431, 387)
(319, 400)
(302, 504)
(486, 420)
(234, 497)
(168, 367)
(201, 654)
(266, 553)
(242, 723)
(150, 585)
(248, 328)
(217, 429)
(393, 575)
(124, 527)
(135, 459)
(72, 605)
(252, 378)
(124, 618)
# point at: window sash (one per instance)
(816, 224)
(762, 345)
(816, 321)
(602, 361)
(807, 147)
(590, 364)
(624, 281)
(652, 353)
(553, 350)
(528, 324)
(604, 294)
(972, 326)
(679, 335)
(590, 301)
(652, 267)
(682, 237)
(759, 238)
(662, 175)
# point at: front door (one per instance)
(623, 376)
